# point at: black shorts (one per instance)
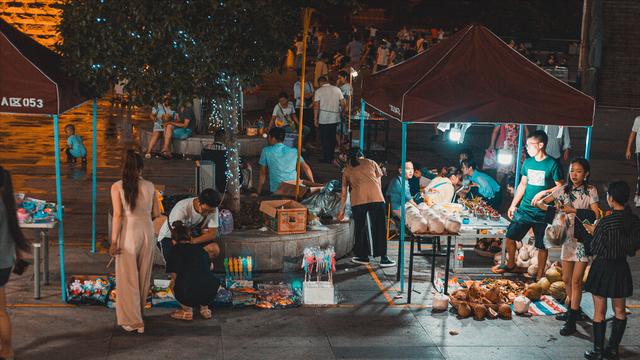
(524, 220)
(4, 276)
(166, 247)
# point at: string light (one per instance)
(225, 114)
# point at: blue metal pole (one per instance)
(361, 125)
(518, 156)
(587, 146)
(94, 185)
(403, 201)
(56, 140)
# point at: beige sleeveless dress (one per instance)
(134, 264)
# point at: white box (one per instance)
(318, 293)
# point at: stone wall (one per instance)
(620, 70)
(36, 18)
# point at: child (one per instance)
(75, 148)
(540, 175)
(195, 284)
(577, 194)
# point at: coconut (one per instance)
(553, 275)
(474, 292)
(491, 314)
(440, 302)
(544, 284)
(464, 310)
(558, 290)
(493, 295)
(452, 224)
(518, 245)
(533, 292)
(523, 264)
(504, 311)
(534, 260)
(532, 270)
(423, 206)
(479, 311)
(523, 255)
(521, 304)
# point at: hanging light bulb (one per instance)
(455, 134)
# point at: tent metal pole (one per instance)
(94, 181)
(56, 140)
(587, 145)
(518, 156)
(402, 202)
(362, 125)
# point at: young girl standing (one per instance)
(577, 194)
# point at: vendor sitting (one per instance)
(200, 214)
(395, 189)
(284, 116)
(443, 187)
(482, 184)
(279, 161)
(422, 176)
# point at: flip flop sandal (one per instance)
(206, 313)
(182, 315)
(165, 155)
(501, 269)
(147, 156)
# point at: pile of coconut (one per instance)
(550, 284)
(423, 219)
(526, 258)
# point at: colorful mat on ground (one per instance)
(546, 306)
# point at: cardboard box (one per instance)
(288, 188)
(285, 216)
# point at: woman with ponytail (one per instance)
(361, 180)
(134, 206)
(615, 237)
(12, 243)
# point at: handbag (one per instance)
(490, 160)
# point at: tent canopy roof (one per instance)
(31, 77)
(474, 77)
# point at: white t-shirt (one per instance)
(329, 97)
(185, 212)
(636, 128)
(283, 114)
(383, 56)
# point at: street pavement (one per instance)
(371, 321)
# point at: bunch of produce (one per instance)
(480, 208)
(425, 219)
(526, 258)
(550, 284)
(482, 301)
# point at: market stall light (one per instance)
(455, 135)
(505, 157)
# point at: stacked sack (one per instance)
(423, 219)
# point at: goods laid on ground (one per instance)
(526, 258)
(319, 266)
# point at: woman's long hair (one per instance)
(621, 193)
(568, 188)
(131, 168)
(353, 155)
(9, 200)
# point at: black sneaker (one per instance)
(386, 262)
(360, 260)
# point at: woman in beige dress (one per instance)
(134, 205)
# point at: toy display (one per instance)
(89, 290)
(322, 261)
(30, 210)
(238, 271)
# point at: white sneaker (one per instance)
(637, 200)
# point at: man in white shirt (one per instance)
(201, 215)
(559, 141)
(327, 102)
(284, 116)
(633, 135)
(347, 91)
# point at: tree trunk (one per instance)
(225, 113)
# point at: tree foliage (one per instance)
(181, 47)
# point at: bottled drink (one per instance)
(459, 256)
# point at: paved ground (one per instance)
(371, 321)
